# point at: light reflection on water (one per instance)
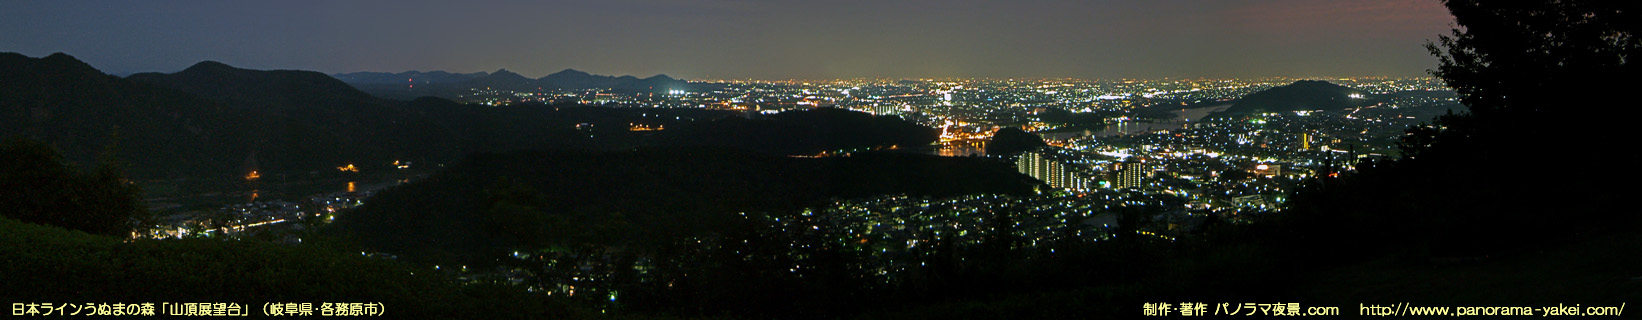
(1185, 117)
(1197, 114)
(962, 148)
(1134, 127)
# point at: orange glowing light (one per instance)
(253, 176)
(348, 168)
(643, 127)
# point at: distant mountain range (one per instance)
(416, 77)
(216, 121)
(414, 84)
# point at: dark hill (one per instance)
(493, 202)
(208, 120)
(408, 77)
(1013, 140)
(575, 79)
(572, 78)
(304, 120)
(63, 265)
(411, 85)
(658, 84)
(59, 62)
(162, 132)
(504, 80)
(1301, 95)
(255, 88)
(805, 132)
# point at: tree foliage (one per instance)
(49, 264)
(493, 203)
(1478, 183)
(38, 186)
(1538, 58)
(1527, 64)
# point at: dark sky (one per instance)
(763, 39)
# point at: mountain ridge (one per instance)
(221, 81)
(443, 84)
(216, 121)
(161, 131)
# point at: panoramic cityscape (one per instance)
(1045, 159)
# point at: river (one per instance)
(1196, 114)
(1183, 118)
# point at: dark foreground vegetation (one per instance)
(491, 204)
(1473, 214)
(44, 264)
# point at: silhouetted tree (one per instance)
(1522, 64)
(38, 186)
(1468, 180)
(1531, 57)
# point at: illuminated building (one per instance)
(884, 110)
(1130, 174)
(1249, 201)
(1268, 170)
(1055, 173)
(643, 127)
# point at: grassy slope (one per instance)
(49, 264)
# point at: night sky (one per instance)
(762, 39)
